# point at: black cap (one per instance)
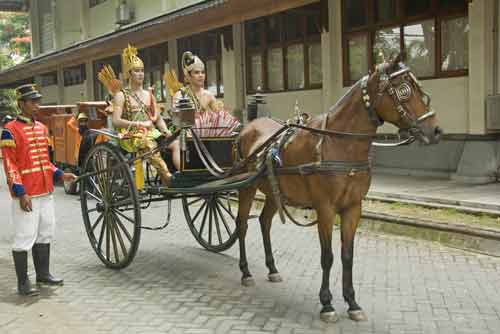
(27, 92)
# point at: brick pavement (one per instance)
(174, 286)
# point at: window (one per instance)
(433, 33)
(154, 59)
(93, 3)
(283, 51)
(48, 79)
(100, 91)
(208, 47)
(74, 75)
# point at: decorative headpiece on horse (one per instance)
(191, 62)
(130, 61)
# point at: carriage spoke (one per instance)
(195, 201)
(210, 224)
(223, 220)
(96, 187)
(101, 235)
(122, 227)
(113, 238)
(92, 210)
(226, 209)
(217, 227)
(198, 212)
(93, 196)
(119, 236)
(203, 220)
(108, 246)
(97, 222)
(123, 215)
(124, 203)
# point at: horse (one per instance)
(338, 143)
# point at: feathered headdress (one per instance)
(173, 84)
(130, 60)
(108, 78)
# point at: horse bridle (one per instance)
(399, 94)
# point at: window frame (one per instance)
(305, 39)
(48, 79)
(83, 75)
(94, 3)
(146, 56)
(401, 20)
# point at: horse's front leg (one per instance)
(350, 220)
(326, 218)
(266, 219)
(246, 197)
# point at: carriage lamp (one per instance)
(183, 117)
(253, 105)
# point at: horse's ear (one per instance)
(401, 57)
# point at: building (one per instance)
(308, 51)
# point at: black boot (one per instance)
(41, 256)
(23, 283)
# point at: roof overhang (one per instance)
(13, 6)
(200, 17)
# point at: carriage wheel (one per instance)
(212, 219)
(110, 207)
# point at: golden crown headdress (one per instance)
(130, 60)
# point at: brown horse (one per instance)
(340, 139)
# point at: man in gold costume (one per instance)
(194, 76)
(135, 113)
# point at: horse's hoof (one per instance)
(330, 317)
(357, 315)
(247, 281)
(274, 278)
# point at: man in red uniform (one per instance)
(30, 176)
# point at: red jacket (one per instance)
(25, 149)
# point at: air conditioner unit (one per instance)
(493, 112)
(123, 14)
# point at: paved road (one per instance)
(174, 286)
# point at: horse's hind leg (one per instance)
(326, 217)
(266, 219)
(350, 219)
(246, 197)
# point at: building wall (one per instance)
(74, 94)
(68, 27)
(102, 18)
(50, 94)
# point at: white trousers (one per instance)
(37, 226)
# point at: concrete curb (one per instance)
(440, 226)
(476, 239)
(459, 205)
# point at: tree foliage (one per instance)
(15, 38)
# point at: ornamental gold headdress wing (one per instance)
(173, 83)
(130, 60)
(108, 78)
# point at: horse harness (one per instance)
(399, 95)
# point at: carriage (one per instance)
(117, 185)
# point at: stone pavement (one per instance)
(174, 286)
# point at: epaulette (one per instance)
(7, 139)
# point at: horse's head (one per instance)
(402, 101)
